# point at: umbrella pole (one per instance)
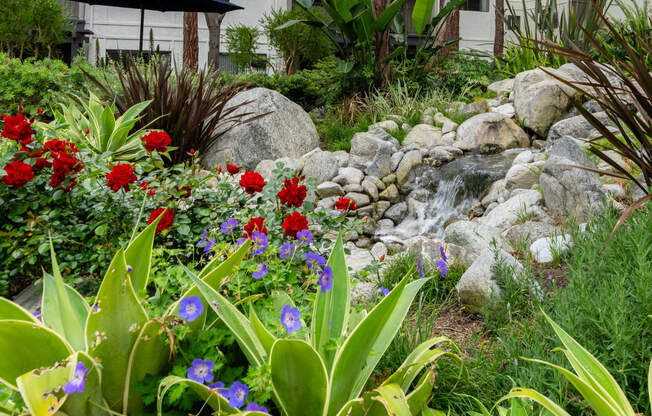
(142, 27)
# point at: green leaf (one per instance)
(10, 310)
(46, 347)
(39, 388)
(385, 18)
(530, 394)
(139, 256)
(299, 377)
(421, 14)
(331, 309)
(420, 396)
(210, 397)
(90, 401)
(392, 398)
(368, 342)
(265, 337)
(113, 330)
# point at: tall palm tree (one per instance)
(190, 41)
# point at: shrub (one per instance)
(242, 42)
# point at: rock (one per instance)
(522, 176)
(389, 126)
(358, 259)
(326, 189)
(448, 139)
(426, 249)
(490, 133)
(448, 126)
(389, 179)
(476, 210)
(371, 154)
(364, 243)
(494, 191)
(505, 109)
(411, 160)
(381, 207)
(490, 207)
(30, 297)
(478, 285)
(386, 137)
(569, 190)
(523, 157)
(366, 211)
(397, 212)
(370, 188)
(349, 176)
(540, 100)
(365, 292)
(327, 203)
(577, 127)
(376, 181)
(543, 249)
(423, 136)
(614, 190)
(265, 168)
(322, 166)
(616, 157)
(361, 200)
(385, 223)
(379, 250)
(502, 87)
(287, 131)
(342, 158)
(426, 119)
(528, 232)
(353, 188)
(508, 213)
(396, 159)
(467, 239)
(440, 154)
(476, 107)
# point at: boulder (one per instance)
(544, 248)
(397, 212)
(505, 109)
(396, 159)
(322, 166)
(411, 160)
(371, 154)
(523, 157)
(495, 190)
(426, 249)
(389, 126)
(478, 285)
(476, 107)
(265, 168)
(577, 127)
(468, 239)
(423, 135)
(287, 131)
(440, 154)
(528, 232)
(370, 188)
(326, 189)
(361, 200)
(522, 176)
(490, 133)
(348, 176)
(509, 212)
(570, 190)
(502, 87)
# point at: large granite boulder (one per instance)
(371, 154)
(567, 189)
(490, 133)
(423, 135)
(287, 131)
(519, 205)
(577, 127)
(466, 240)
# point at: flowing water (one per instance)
(437, 194)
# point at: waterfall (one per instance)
(443, 206)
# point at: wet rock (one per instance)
(397, 212)
(509, 212)
(409, 162)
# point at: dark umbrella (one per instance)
(209, 6)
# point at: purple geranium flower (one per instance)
(202, 241)
(443, 270)
(201, 371)
(314, 261)
(208, 247)
(326, 279)
(291, 318)
(190, 308)
(305, 236)
(254, 407)
(287, 249)
(420, 269)
(443, 254)
(229, 225)
(219, 387)
(76, 385)
(37, 315)
(237, 394)
(384, 291)
(261, 271)
(260, 242)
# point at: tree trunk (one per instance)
(452, 29)
(214, 22)
(190, 41)
(499, 36)
(384, 70)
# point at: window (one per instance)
(477, 5)
(513, 22)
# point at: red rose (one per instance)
(166, 221)
(145, 187)
(56, 145)
(345, 203)
(294, 223)
(120, 177)
(255, 224)
(219, 169)
(18, 174)
(156, 140)
(292, 194)
(252, 182)
(17, 128)
(233, 169)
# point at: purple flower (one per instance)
(76, 385)
(260, 242)
(549, 279)
(443, 270)
(254, 407)
(420, 269)
(219, 387)
(208, 247)
(37, 315)
(287, 249)
(96, 308)
(242, 240)
(326, 279)
(237, 394)
(443, 254)
(229, 225)
(201, 371)
(202, 241)
(314, 261)
(129, 268)
(305, 236)
(190, 308)
(261, 271)
(290, 318)
(384, 291)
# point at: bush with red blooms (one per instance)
(144, 186)
(292, 194)
(252, 182)
(232, 169)
(156, 140)
(167, 220)
(120, 177)
(17, 128)
(345, 203)
(18, 174)
(294, 223)
(255, 224)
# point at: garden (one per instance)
(370, 228)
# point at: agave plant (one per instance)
(324, 372)
(96, 125)
(591, 379)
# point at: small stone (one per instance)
(361, 200)
(367, 211)
(390, 194)
(353, 188)
(544, 248)
(476, 210)
(523, 157)
(614, 190)
(370, 188)
(410, 161)
(370, 226)
(327, 203)
(346, 176)
(385, 223)
(379, 250)
(326, 189)
(389, 126)
(381, 207)
(363, 243)
(396, 159)
(397, 212)
(389, 179)
(376, 181)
